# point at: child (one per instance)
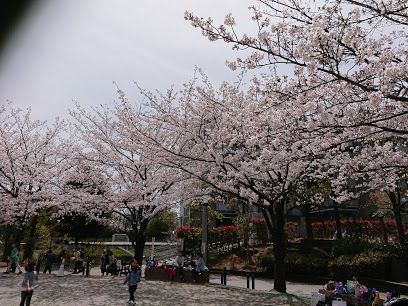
(27, 284)
(132, 279)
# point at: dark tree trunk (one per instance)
(19, 235)
(30, 244)
(396, 207)
(339, 234)
(139, 240)
(279, 246)
(50, 245)
(138, 246)
(308, 221)
(383, 229)
(356, 227)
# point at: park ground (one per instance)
(109, 290)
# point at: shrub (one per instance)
(267, 262)
(368, 263)
(298, 264)
(306, 264)
(351, 246)
(260, 230)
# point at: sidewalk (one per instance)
(299, 289)
(76, 290)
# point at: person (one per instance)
(104, 263)
(15, 258)
(191, 263)
(8, 269)
(113, 266)
(61, 257)
(27, 284)
(199, 267)
(82, 259)
(179, 263)
(132, 279)
(200, 264)
(78, 261)
(49, 258)
(151, 263)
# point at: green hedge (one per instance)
(350, 257)
(368, 264)
(298, 264)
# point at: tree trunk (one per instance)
(339, 234)
(30, 244)
(384, 231)
(19, 236)
(396, 207)
(308, 221)
(279, 246)
(76, 241)
(50, 245)
(138, 246)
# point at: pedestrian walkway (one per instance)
(299, 289)
(75, 290)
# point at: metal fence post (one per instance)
(253, 281)
(224, 272)
(247, 280)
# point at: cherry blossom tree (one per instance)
(117, 174)
(237, 144)
(346, 61)
(356, 48)
(338, 72)
(30, 158)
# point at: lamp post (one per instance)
(204, 222)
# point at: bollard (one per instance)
(247, 280)
(253, 280)
(224, 272)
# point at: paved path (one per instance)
(108, 290)
(299, 289)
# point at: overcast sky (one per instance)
(67, 50)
